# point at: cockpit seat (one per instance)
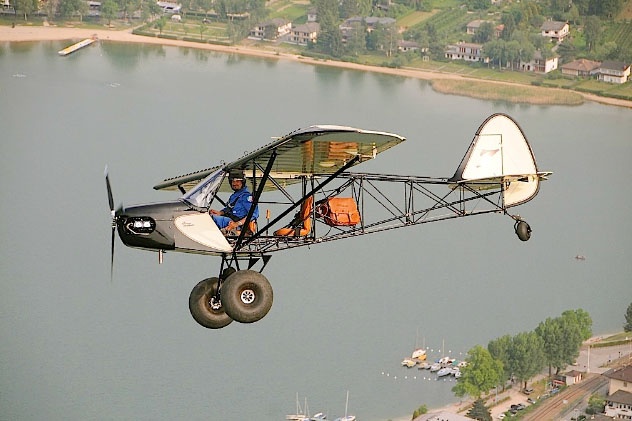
(301, 225)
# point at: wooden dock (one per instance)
(77, 46)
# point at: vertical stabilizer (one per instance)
(500, 156)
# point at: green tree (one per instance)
(479, 411)
(109, 10)
(628, 319)
(329, 39)
(596, 404)
(160, 24)
(526, 356)
(24, 7)
(499, 350)
(563, 337)
(592, 32)
(423, 409)
(481, 374)
(485, 33)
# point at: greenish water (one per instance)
(79, 346)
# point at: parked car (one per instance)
(531, 400)
(528, 391)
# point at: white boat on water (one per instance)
(424, 365)
(435, 367)
(346, 417)
(446, 371)
(419, 354)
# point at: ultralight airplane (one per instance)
(309, 197)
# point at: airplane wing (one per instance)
(314, 150)
(500, 157)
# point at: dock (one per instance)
(77, 46)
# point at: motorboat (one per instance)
(445, 371)
(409, 362)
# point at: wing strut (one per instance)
(349, 164)
(260, 187)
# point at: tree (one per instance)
(484, 34)
(109, 9)
(499, 350)
(481, 374)
(526, 356)
(423, 409)
(592, 32)
(563, 337)
(25, 7)
(628, 319)
(479, 411)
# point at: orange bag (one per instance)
(339, 211)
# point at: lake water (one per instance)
(76, 345)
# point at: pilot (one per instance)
(233, 216)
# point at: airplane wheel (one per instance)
(247, 296)
(523, 230)
(204, 308)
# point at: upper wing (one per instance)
(500, 157)
(314, 150)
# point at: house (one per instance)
(304, 34)
(465, 51)
(619, 405)
(620, 379)
(312, 14)
(568, 379)
(275, 28)
(619, 399)
(614, 72)
(581, 67)
(406, 46)
(555, 30)
(372, 22)
(473, 27)
(539, 64)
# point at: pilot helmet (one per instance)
(236, 174)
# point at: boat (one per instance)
(419, 354)
(424, 365)
(318, 417)
(409, 362)
(445, 371)
(435, 367)
(75, 47)
(301, 414)
(346, 417)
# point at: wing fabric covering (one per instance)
(313, 150)
(500, 157)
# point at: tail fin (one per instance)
(500, 157)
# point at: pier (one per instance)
(77, 46)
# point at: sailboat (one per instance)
(346, 417)
(300, 415)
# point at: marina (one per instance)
(74, 47)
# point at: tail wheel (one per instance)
(523, 230)
(247, 296)
(205, 307)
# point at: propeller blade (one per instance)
(107, 184)
(112, 253)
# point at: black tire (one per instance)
(247, 296)
(204, 308)
(523, 230)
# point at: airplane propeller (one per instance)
(114, 214)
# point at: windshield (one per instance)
(201, 196)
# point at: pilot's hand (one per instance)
(214, 212)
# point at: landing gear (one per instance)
(523, 230)
(205, 306)
(247, 296)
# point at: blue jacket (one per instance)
(239, 204)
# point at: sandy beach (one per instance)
(50, 33)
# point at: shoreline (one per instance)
(51, 33)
